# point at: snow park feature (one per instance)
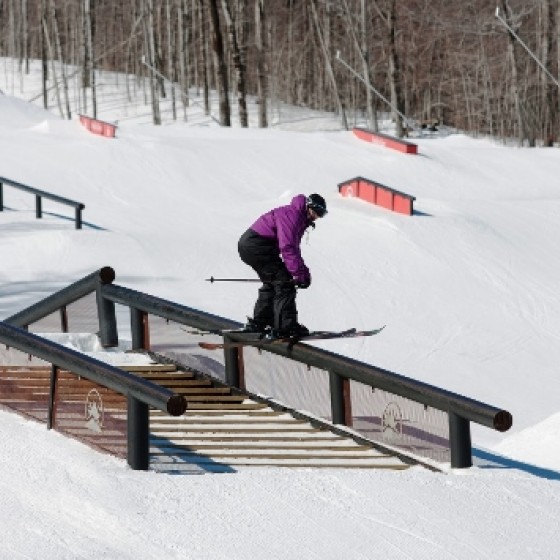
(101, 128)
(378, 194)
(469, 291)
(385, 140)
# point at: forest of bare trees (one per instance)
(423, 61)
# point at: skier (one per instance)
(271, 246)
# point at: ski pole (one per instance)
(212, 279)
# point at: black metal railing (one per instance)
(39, 195)
(341, 370)
(60, 300)
(461, 410)
(140, 393)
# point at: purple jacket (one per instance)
(286, 225)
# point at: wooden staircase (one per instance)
(222, 431)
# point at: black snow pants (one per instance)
(276, 302)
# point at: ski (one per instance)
(315, 335)
(219, 332)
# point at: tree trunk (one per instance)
(203, 42)
(238, 64)
(394, 70)
(89, 58)
(522, 134)
(58, 47)
(182, 52)
(171, 57)
(25, 35)
(53, 69)
(371, 112)
(151, 44)
(362, 49)
(220, 65)
(262, 70)
(44, 60)
(549, 95)
(328, 65)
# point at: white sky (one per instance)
(468, 288)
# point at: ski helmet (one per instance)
(317, 203)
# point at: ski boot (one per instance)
(255, 327)
(295, 331)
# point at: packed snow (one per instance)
(468, 288)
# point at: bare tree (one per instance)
(25, 35)
(88, 79)
(183, 17)
(328, 64)
(549, 90)
(388, 14)
(433, 59)
(220, 64)
(203, 52)
(171, 57)
(362, 49)
(59, 55)
(238, 63)
(152, 57)
(512, 55)
(262, 69)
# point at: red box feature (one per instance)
(378, 194)
(385, 140)
(98, 127)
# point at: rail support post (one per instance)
(138, 434)
(341, 408)
(52, 397)
(460, 442)
(78, 217)
(108, 332)
(139, 329)
(38, 207)
(234, 376)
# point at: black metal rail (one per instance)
(59, 300)
(39, 195)
(99, 372)
(140, 393)
(461, 410)
(397, 384)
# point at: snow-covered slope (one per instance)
(468, 287)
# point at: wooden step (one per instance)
(254, 421)
(225, 406)
(149, 368)
(209, 463)
(309, 446)
(305, 437)
(211, 399)
(231, 428)
(177, 383)
(164, 377)
(258, 412)
(204, 391)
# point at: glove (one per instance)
(303, 284)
